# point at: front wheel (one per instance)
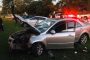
(38, 49)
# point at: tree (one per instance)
(39, 8)
(5, 8)
(21, 5)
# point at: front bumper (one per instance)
(17, 46)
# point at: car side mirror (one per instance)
(52, 32)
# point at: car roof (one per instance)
(74, 19)
(64, 19)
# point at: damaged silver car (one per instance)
(51, 34)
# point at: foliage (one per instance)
(80, 4)
(5, 8)
(21, 5)
(40, 8)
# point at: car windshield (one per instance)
(44, 25)
(37, 18)
(27, 17)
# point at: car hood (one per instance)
(19, 17)
(31, 28)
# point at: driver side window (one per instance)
(59, 27)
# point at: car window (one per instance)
(41, 18)
(78, 24)
(70, 24)
(59, 27)
(27, 17)
(35, 18)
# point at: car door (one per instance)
(64, 36)
(79, 29)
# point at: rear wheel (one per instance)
(83, 39)
(82, 43)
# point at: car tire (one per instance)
(82, 43)
(83, 39)
(38, 49)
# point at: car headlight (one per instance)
(10, 38)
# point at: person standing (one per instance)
(86, 19)
(1, 24)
